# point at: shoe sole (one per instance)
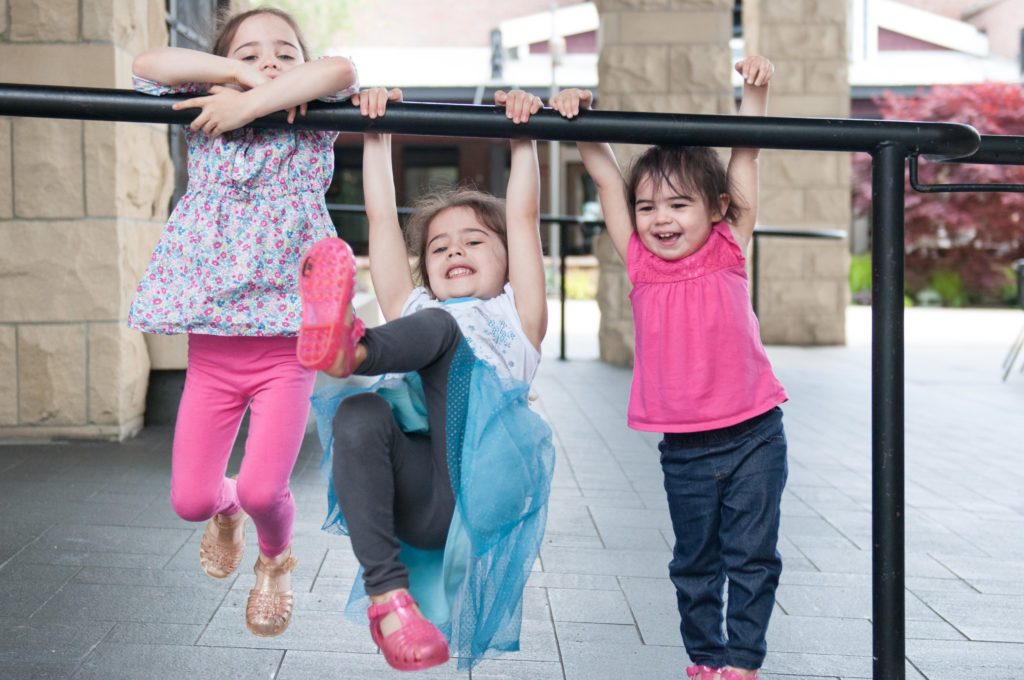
(326, 281)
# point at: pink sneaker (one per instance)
(733, 674)
(327, 278)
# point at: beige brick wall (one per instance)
(81, 205)
(8, 375)
(662, 56)
(673, 56)
(803, 283)
(6, 177)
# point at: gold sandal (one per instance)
(219, 554)
(269, 610)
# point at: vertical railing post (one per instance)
(755, 274)
(563, 234)
(887, 413)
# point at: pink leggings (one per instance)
(225, 376)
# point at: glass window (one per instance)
(190, 24)
(345, 199)
(427, 169)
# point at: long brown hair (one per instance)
(229, 24)
(489, 209)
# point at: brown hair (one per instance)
(489, 209)
(229, 24)
(689, 170)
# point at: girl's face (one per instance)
(670, 225)
(463, 257)
(267, 43)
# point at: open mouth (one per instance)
(458, 272)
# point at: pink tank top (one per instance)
(700, 364)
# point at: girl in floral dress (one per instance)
(225, 272)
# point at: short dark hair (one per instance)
(690, 170)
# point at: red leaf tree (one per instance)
(974, 235)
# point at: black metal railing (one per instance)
(890, 144)
(755, 251)
(564, 223)
(589, 227)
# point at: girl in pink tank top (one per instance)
(682, 222)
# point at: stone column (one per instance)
(804, 285)
(81, 206)
(669, 56)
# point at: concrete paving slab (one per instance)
(136, 633)
(585, 660)
(301, 665)
(589, 606)
(44, 649)
(87, 603)
(951, 660)
(119, 661)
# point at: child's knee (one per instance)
(258, 498)
(445, 321)
(360, 418)
(193, 507)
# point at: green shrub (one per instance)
(950, 285)
(860, 273)
(581, 284)
(1008, 289)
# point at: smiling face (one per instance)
(268, 43)
(670, 222)
(463, 257)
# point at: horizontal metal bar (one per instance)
(945, 140)
(357, 209)
(832, 234)
(993, 150)
(917, 185)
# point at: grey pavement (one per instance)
(99, 579)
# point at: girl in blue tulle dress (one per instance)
(440, 471)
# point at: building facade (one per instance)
(83, 203)
(81, 206)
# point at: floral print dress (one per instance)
(227, 261)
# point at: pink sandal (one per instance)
(326, 281)
(702, 672)
(417, 634)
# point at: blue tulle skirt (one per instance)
(500, 460)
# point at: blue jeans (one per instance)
(724, 491)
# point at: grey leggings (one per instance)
(392, 485)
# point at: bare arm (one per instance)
(389, 260)
(743, 171)
(525, 257)
(602, 167)
(228, 108)
(522, 216)
(177, 66)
